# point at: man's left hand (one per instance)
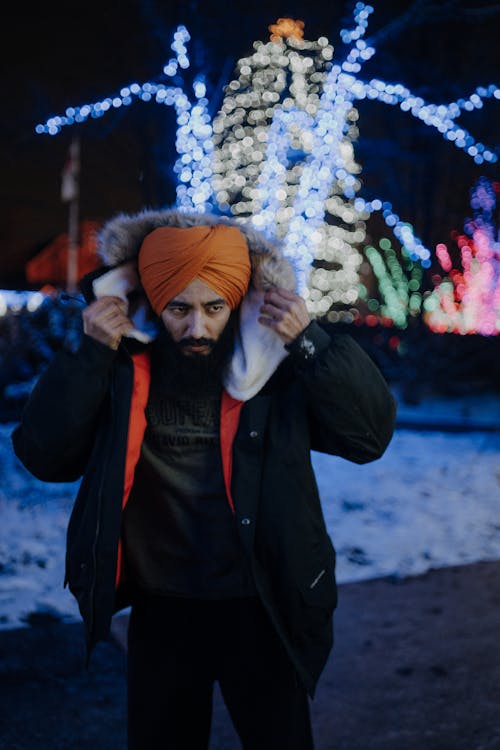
(285, 312)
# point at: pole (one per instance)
(70, 193)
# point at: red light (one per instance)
(394, 342)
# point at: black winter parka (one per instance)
(75, 425)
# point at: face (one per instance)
(196, 318)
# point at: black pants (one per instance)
(179, 647)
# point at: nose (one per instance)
(196, 325)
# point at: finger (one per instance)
(125, 324)
(266, 321)
(116, 303)
(107, 300)
(104, 313)
(110, 323)
(278, 304)
(287, 293)
(105, 304)
(278, 326)
(282, 294)
(283, 303)
(114, 335)
(272, 311)
(111, 316)
(117, 325)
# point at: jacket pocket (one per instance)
(318, 589)
(316, 599)
(317, 584)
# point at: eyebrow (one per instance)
(181, 303)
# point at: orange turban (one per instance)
(170, 258)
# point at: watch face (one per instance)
(307, 347)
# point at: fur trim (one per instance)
(121, 237)
(258, 350)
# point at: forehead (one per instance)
(197, 292)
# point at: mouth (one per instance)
(197, 349)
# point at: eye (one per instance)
(214, 309)
(177, 310)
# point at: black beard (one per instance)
(195, 374)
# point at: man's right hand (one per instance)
(106, 321)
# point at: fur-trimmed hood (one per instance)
(258, 350)
(121, 237)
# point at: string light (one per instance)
(284, 160)
(280, 152)
(284, 157)
(399, 285)
(467, 299)
(194, 130)
(286, 27)
(170, 95)
(15, 301)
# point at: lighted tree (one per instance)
(193, 139)
(398, 296)
(284, 158)
(466, 294)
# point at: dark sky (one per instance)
(59, 54)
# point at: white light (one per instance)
(34, 301)
(281, 147)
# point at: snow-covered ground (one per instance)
(432, 500)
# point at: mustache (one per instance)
(189, 341)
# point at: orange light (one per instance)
(286, 27)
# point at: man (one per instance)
(198, 504)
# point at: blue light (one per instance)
(327, 132)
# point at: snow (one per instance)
(431, 501)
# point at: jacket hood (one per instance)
(258, 350)
(121, 237)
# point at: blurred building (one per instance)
(50, 266)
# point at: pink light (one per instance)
(443, 257)
(468, 300)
